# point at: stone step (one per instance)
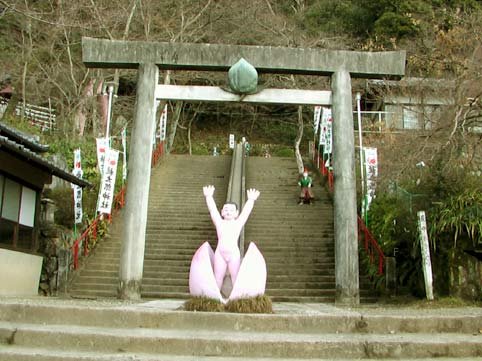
(322, 318)
(291, 284)
(114, 274)
(205, 224)
(150, 286)
(97, 292)
(181, 274)
(274, 280)
(92, 293)
(155, 265)
(15, 353)
(299, 332)
(269, 249)
(277, 240)
(295, 255)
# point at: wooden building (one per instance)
(23, 174)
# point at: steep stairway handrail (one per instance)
(91, 232)
(237, 184)
(370, 243)
(372, 248)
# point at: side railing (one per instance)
(157, 154)
(91, 233)
(372, 248)
(319, 162)
(236, 186)
(370, 244)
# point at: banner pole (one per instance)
(362, 180)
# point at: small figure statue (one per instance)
(246, 146)
(305, 182)
(208, 268)
(266, 152)
(228, 228)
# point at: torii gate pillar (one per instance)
(135, 212)
(345, 217)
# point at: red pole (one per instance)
(76, 254)
(380, 263)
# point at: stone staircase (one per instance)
(178, 223)
(65, 330)
(296, 241)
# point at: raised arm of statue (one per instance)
(253, 195)
(208, 192)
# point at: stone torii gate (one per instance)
(149, 57)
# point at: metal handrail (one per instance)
(236, 184)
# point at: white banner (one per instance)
(231, 141)
(371, 173)
(78, 213)
(77, 160)
(102, 148)
(124, 153)
(327, 130)
(77, 171)
(106, 194)
(316, 120)
(163, 124)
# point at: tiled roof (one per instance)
(22, 138)
(24, 151)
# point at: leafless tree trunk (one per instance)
(80, 115)
(27, 54)
(253, 121)
(174, 124)
(299, 136)
(126, 34)
(189, 132)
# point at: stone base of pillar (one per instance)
(345, 297)
(129, 290)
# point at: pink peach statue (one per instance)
(208, 268)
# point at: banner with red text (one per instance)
(106, 194)
(102, 147)
(77, 171)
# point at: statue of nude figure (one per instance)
(228, 228)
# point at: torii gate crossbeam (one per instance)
(149, 57)
(265, 96)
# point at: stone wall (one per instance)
(465, 276)
(56, 251)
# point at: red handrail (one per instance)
(370, 243)
(328, 173)
(118, 203)
(85, 237)
(119, 199)
(157, 154)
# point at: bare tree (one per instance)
(299, 136)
